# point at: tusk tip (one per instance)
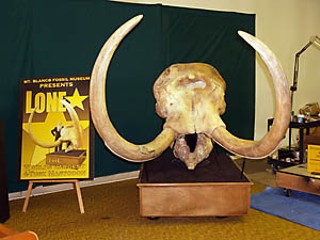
(138, 18)
(244, 35)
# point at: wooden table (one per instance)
(298, 178)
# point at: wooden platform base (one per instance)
(72, 159)
(299, 179)
(216, 187)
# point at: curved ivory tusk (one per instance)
(117, 144)
(35, 140)
(270, 142)
(76, 123)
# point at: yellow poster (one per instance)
(313, 163)
(55, 128)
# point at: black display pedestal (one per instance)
(4, 202)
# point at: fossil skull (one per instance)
(191, 99)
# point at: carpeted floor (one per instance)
(112, 212)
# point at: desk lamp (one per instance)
(313, 40)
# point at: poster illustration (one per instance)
(55, 128)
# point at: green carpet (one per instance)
(112, 212)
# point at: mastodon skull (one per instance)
(191, 99)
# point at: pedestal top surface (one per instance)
(299, 170)
(218, 167)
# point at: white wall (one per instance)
(285, 26)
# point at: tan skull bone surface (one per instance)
(191, 99)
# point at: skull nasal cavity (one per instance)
(191, 140)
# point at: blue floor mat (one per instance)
(301, 208)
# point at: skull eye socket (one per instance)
(191, 140)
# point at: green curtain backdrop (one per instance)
(45, 38)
